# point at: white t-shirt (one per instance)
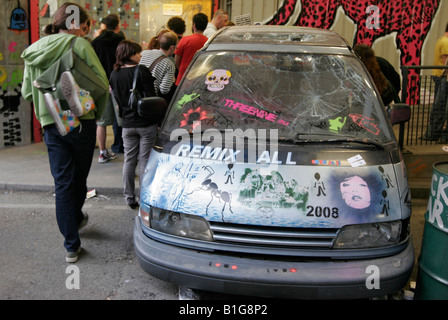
(210, 30)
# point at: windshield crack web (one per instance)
(292, 92)
(329, 90)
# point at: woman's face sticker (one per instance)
(355, 192)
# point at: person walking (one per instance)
(105, 45)
(189, 45)
(138, 133)
(162, 64)
(70, 155)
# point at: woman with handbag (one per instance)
(139, 132)
(70, 154)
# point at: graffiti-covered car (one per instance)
(276, 173)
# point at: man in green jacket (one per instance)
(70, 154)
(41, 55)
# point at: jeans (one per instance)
(117, 146)
(137, 146)
(70, 159)
(439, 109)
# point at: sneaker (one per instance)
(72, 257)
(64, 120)
(111, 155)
(79, 100)
(103, 158)
(106, 157)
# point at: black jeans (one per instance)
(70, 161)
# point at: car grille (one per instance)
(273, 236)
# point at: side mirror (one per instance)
(399, 113)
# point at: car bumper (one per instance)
(243, 275)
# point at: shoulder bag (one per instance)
(148, 107)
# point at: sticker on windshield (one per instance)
(193, 117)
(217, 80)
(365, 122)
(337, 124)
(254, 111)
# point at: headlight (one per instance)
(368, 235)
(175, 223)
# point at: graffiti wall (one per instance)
(15, 112)
(128, 10)
(140, 19)
(404, 32)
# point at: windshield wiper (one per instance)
(325, 138)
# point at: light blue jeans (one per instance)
(137, 146)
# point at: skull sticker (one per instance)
(217, 79)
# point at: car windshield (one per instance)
(303, 96)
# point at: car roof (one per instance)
(278, 39)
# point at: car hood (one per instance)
(284, 188)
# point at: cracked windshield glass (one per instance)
(303, 96)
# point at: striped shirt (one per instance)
(163, 71)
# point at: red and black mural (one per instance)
(410, 19)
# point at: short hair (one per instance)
(167, 40)
(111, 21)
(125, 50)
(176, 24)
(220, 12)
(200, 20)
(154, 42)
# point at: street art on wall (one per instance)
(410, 19)
(19, 19)
(392, 16)
(127, 10)
(15, 113)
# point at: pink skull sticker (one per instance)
(217, 79)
